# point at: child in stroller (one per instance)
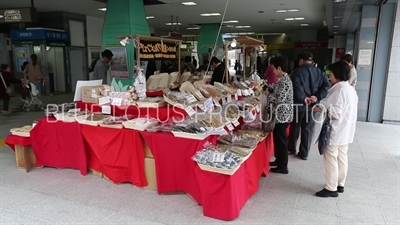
(34, 97)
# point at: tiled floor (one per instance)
(51, 196)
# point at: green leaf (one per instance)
(115, 85)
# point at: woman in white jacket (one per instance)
(341, 103)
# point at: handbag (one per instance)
(8, 89)
(325, 135)
(268, 120)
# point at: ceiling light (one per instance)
(337, 17)
(299, 18)
(150, 17)
(336, 26)
(210, 14)
(102, 9)
(189, 3)
(231, 21)
(173, 24)
(242, 26)
(281, 11)
(193, 28)
(293, 10)
(304, 25)
(339, 0)
(124, 42)
(289, 19)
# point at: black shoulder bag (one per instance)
(325, 135)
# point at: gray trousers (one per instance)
(303, 121)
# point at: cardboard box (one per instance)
(150, 171)
(91, 94)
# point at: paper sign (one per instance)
(209, 105)
(191, 99)
(229, 98)
(217, 103)
(104, 100)
(189, 110)
(204, 91)
(106, 109)
(251, 91)
(198, 94)
(258, 108)
(223, 101)
(202, 108)
(247, 82)
(243, 84)
(230, 127)
(236, 97)
(235, 123)
(116, 101)
(245, 92)
(239, 92)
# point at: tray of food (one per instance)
(21, 131)
(192, 130)
(93, 119)
(151, 102)
(239, 140)
(140, 124)
(114, 122)
(257, 133)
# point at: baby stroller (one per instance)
(33, 100)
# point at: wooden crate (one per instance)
(150, 171)
(20, 153)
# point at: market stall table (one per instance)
(116, 153)
(24, 156)
(58, 144)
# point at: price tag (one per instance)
(247, 82)
(217, 103)
(191, 99)
(74, 110)
(189, 110)
(94, 95)
(33, 125)
(235, 123)
(106, 109)
(258, 108)
(245, 92)
(204, 91)
(239, 92)
(251, 91)
(198, 94)
(236, 97)
(230, 127)
(116, 101)
(223, 101)
(202, 108)
(218, 156)
(104, 100)
(209, 105)
(229, 98)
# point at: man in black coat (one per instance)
(310, 85)
(219, 71)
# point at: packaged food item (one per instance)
(239, 140)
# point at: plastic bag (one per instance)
(325, 135)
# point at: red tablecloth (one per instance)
(174, 166)
(117, 153)
(222, 196)
(12, 140)
(162, 113)
(59, 145)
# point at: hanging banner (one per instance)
(119, 65)
(150, 50)
(21, 54)
(18, 15)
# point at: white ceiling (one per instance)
(245, 11)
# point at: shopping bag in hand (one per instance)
(325, 135)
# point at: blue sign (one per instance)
(43, 34)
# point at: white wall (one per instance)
(392, 99)
(94, 30)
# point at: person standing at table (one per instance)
(341, 103)
(219, 71)
(100, 71)
(33, 74)
(281, 101)
(310, 85)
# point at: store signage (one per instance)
(175, 35)
(21, 15)
(340, 52)
(40, 34)
(157, 50)
(311, 45)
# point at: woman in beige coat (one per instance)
(34, 74)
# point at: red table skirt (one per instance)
(221, 196)
(162, 113)
(12, 140)
(59, 145)
(117, 153)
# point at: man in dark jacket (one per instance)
(310, 85)
(219, 71)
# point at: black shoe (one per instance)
(279, 170)
(326, 193)
(340, 189)
(301, 157)
(274, 163)
(292, 152)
